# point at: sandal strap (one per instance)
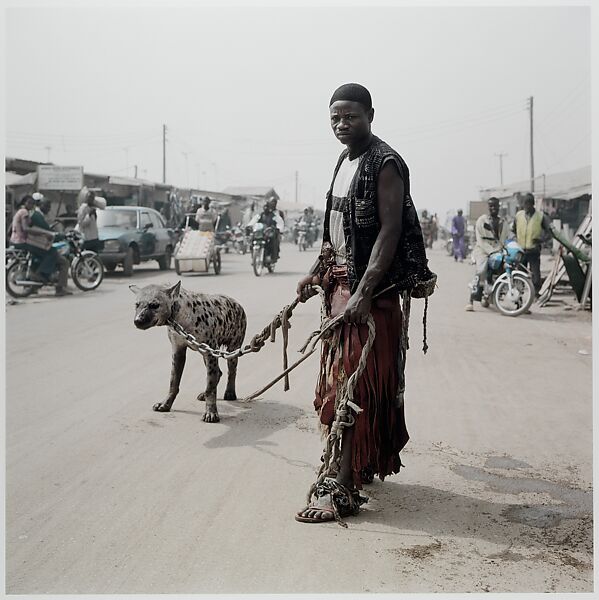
(345, 502)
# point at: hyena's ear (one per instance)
(134, 289)
(174, 291)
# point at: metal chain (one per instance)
(255, 345)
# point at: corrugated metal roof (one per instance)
(259, 191)
(566, 185)
(16, 179)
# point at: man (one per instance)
(491, 231)
(270, 218)
(528, 226)
(458, 232)
(206, 217)
(372, 244)
(427, 229)
(38, 219)
(87, 222)
(21, 226)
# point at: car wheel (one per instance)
(128, 263)
(164, 262)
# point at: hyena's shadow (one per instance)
(251, 423)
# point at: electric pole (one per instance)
(135, 171)
(500, 155)
(164, 154)
(296, 186)
(532, 160)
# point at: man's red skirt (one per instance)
(380, 430)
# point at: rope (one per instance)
(331, 458)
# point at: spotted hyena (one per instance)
(216, 320)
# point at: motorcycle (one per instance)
(510, 287)
(87, 270)
(224, 239)
(240, 241)
(262, 245)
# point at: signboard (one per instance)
(50, 177)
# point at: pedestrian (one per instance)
(427, 229)
(458, 232)
(87, 220)
(38, 219)
(491, 232)
(529, 226)
(370, 211)
(206, 216)
(39, 245)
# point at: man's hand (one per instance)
(304, 289)
(357, 309)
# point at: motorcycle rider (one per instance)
(38, 219)
(269, 218)
(491, 232)
(21, 224)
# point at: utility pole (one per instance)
(135, 171)
(500, 155)
(164, 154)
(48, 148)
(296, 186)
(532, 160)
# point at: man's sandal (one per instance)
(344, 503)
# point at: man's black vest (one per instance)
(408, 271)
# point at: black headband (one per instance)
(353, 92)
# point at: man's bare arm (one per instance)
(390, 192)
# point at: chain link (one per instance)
(204, 348)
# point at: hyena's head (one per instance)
(153, 304)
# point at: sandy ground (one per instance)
(106, 496)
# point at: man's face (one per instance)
(350, 121)
(45, 206)
(529, 205)
(206, 204)
(494, 209)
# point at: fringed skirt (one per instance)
(380, 430)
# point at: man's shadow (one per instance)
(443, 513)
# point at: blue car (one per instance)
(132, 234)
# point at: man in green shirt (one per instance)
(529, 226)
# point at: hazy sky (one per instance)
(244, 92)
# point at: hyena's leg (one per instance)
(213, 376)
(179, 354)
(231, 374)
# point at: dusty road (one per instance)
(105, 496)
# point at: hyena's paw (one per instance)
(161, 407)
(211, 417)
(230, 395)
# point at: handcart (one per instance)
(196, 251)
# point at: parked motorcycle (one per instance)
(262, 245)
(87, 270)
(510, 289)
